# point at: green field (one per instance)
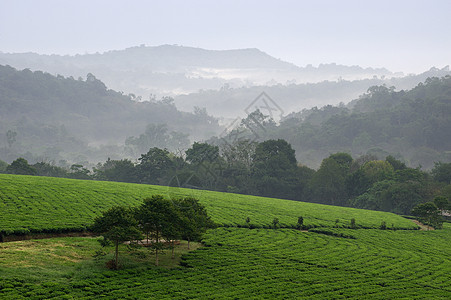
(234, 263)
(43, 204)
(242, 263)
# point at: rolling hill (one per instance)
(240, 263)
(45, 204)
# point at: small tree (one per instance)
(117, 225)
(352, 223)
(275, 223)
(300, 224)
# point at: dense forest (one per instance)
(411, 125)
(53, 118)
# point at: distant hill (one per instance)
(413, 125)
(172, 70)
(231, 102)
(60, 118)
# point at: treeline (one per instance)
(270, 169)
(157, 219)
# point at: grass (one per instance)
(59, 258)
(43, 204)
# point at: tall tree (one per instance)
(118, 225)
(155, 216)
(329, 182)
(155, 166)
(194, 219)
(274, 169)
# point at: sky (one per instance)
(408, 36)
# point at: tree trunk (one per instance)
(156, 256)
(116, 256)
(188, 244)
(156, 249)
(173, 247)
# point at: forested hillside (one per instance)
(53, 118)
(412, 125)
(293, 96)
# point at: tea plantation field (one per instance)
(234, 263)
(241, 263)
(44, 204)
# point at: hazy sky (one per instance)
(409, 36)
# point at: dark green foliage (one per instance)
(116, 170)
(396, 164)
(300, 223)
(329, 182)
(274, 170)
(275, 223)
(429, 214)
(202, 153)
(50, 170)
(117, 225)
(353, 223)
(194, 219)
(383, 225)
(20, 167)
(155, 167)
(442, 172)
(78, 171)
(442, 203)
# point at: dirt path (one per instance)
(422, 226)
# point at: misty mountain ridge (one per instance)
(230, 103)
(174, 70)
(57, 118)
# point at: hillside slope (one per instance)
(43, 204)
(239, 263)
(53, 114)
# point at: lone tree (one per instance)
(117, 225)
(428, 213)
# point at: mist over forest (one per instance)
(87, 108)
